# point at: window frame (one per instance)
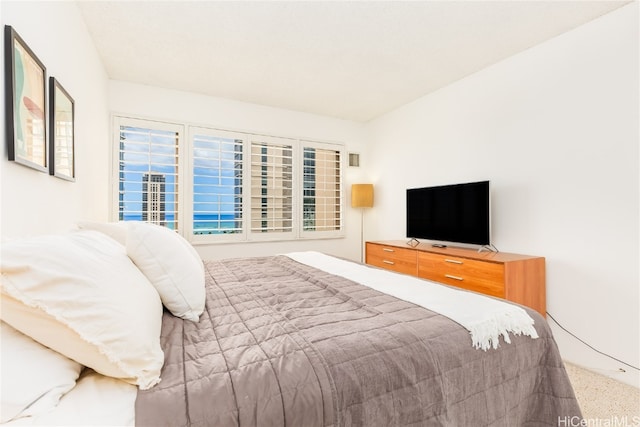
(189, 175)
(185, 163)
(257, 236)
(304, 143)
(122, 120)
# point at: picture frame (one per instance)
(25, 103)
(61, 131)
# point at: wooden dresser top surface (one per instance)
(456, 251)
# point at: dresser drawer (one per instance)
(479, 276)
(392, 258)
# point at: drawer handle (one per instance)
(453, 261)
(388, 250)
(388, 262)
(453, 277)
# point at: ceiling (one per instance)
(353, 60)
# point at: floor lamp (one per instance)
(362, 197)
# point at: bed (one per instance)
(300, 339)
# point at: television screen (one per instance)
(450, 213)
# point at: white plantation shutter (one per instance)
(220, 185)
(148, 173)
(217, 183)
(271, 186)
(321, 188)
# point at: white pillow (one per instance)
(80, 295)
(171, 264)
(116, 230)
(34, 377)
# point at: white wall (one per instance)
(555, 129)
(158, 103)
(33, 202)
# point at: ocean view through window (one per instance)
(213, 185)
(217, 184)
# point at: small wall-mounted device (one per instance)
(354, 159)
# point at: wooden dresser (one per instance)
(517, 278)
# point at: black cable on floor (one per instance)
(590, 346)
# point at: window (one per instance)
(148, 172)
(271, 186)
(217, 185)
(322, 189)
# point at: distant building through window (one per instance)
(153, 198)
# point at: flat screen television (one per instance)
(450, 213)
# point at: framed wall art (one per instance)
(61, 131)
(25, 81)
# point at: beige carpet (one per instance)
(605, 401)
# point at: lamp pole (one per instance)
(362, 197)
(361, 235)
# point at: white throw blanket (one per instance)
(485, 318)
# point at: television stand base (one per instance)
(413, 242)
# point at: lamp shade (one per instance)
(362, 196)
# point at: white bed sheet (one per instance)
(96, 400)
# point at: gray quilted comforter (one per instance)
(284, 344)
